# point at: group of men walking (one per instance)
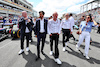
(53, 27)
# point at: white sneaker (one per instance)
(84, 55)
(51, 53)
(66, 44)
(87, 57)
(30, 41)
(58, 61)
(20, 52)
(64, 49)
(27, 49)
(77, 48)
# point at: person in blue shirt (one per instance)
(84, 30)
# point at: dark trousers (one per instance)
(30, 37)
(39, 37)
(54, 37)
(66, 33)
(98, 31)
(22, 40)
(71, 35)
(34, 29)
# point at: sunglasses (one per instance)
(67, 15)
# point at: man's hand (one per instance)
(80, 32)
(57, 33)
(26, 18)
(50, 34)
(29, 20)
(70, 29)
(70, 32)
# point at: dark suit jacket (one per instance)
(38, 26)
(23, 25)
(31, 23)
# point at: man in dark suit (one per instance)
(25, 26)
(41, 31)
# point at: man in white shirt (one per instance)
(66, 27)
(54, 31)
(73, 23)
(71, 19)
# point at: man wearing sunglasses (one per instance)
(66, 27)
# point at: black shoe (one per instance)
(42, 52)
(32, 40)
(90, 43)
(37, 58)
(76, 40)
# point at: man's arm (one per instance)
(48, 28)
(61, 24)
(36, 26)
(59, 27)
(21, 21)
(31, 22)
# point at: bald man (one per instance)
(54, 31)
(25, 26)
(66, 26)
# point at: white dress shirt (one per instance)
(42, 25)
(54, 26)
(66, 24)
(27, 30)
(72, 20)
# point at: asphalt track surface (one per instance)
(70, 58)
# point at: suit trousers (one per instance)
(30, 37)
(27, 40)
(39, 37)
(71, 35)
(66, 33)
(54, 37)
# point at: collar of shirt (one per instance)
(66, 20)
(55, 21)
(42, 22)
(71, 17)
(42, 19)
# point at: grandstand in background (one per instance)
(93, 8)
(13, 8)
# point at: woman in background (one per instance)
(85, 29)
